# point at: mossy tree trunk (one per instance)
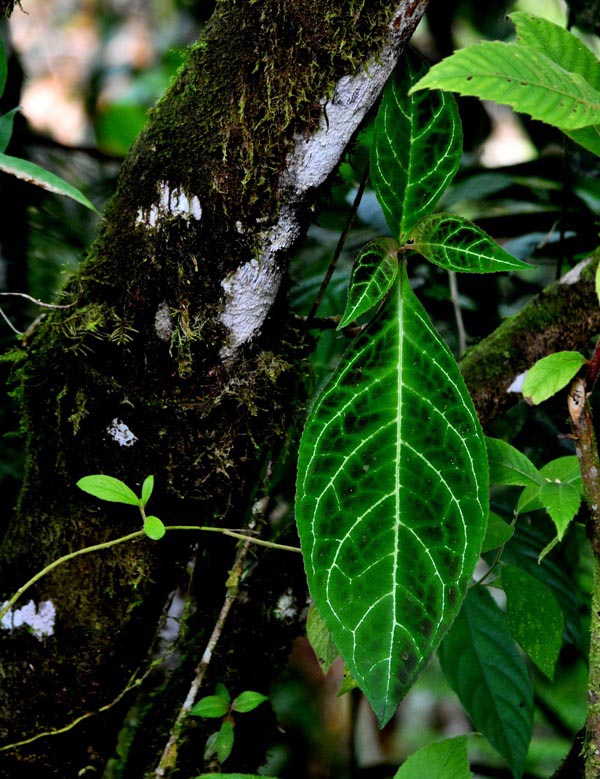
(178, 358)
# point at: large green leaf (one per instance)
(34, 174)
(373, 273)
(445, 759)
(416, 150)
(520, 76)
(391, 499)
(482, 664)
(571, 54)
(457, 244)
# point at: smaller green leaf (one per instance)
(210, 706)
(147, 488)
(559, 494)
(222, 692)
(498, 533)
(446, 759)
(210, 748)
(34, 174)
(224, 741)
(456, 244)
(108, 488)
(509, 466)
(533, 617)
(6, 128)
(248, 701)
(373, 274)
(154, 528)
(550, 374)
(320, 639)
(348, 684)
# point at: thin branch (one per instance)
(460, 325)
(168, 760)
(35, 300)
(10, 324)
(340, 245)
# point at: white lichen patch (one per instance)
(249, 294)
(172, 202)
(163, 327)
(120, 433)
(39, 620)
(287, 607)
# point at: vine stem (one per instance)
(168, 759)
(589, 465)
(139, 534)
(340, 245)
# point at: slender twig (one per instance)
(340, 245)
(35, 300)
(460, 325)
(5, 608)
(168, 759)
(10, 324)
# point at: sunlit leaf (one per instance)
(6, 128)
(533, 617)
(457, 244)
(108, 488)
(510, 466)
(446, 759)
(147, 488)
(519, 76)
(560, 493)
(550, 374)
(34, 174)
(247, 701)
(154, 528)
(391, 499)
(570, 53)
(416, 148)
(210, 706)
(373, 273)
(482, 664)
(320, 639)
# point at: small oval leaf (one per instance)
(210, 706)
(456, 244)
(248, 701)
(550, 374)
(224, 741)
(510, 466)
(154, 528)
(446, 759)
(373, 274)
(147, 488)
(108, 488)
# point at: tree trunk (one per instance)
(178, 358)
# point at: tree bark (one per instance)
(177, 358)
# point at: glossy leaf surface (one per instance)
(560, 492)
(147, 488)
(446, 759)
(373, 274)
(533, 617)
(247, 701)
(108, 488)
(497, 533)
(482, 664)
(571, 54)
(154, 528)
(550, 374)
(456, 244)
(519, 76)
(34, 174)
(416, 149)
(391, 499)
(510, 466)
